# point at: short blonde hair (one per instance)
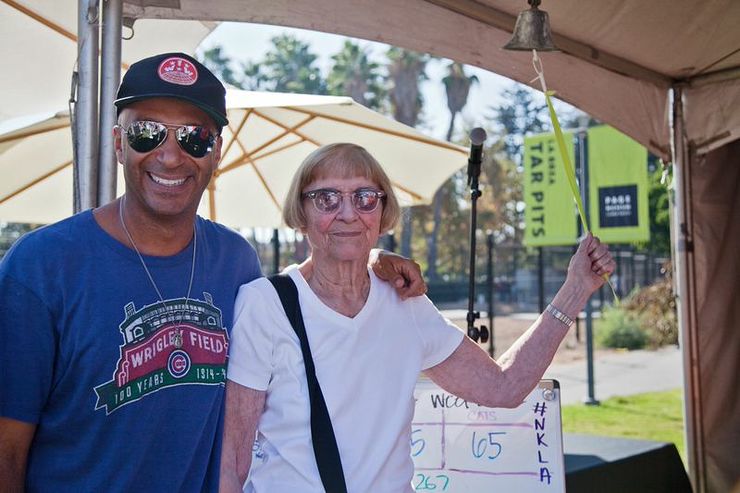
(345, 161)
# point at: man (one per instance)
(114, 323)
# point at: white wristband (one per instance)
(559, 316)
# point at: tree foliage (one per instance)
(441, 231)
(221, 65)
(659, 212)
(406, 71)
(443, 248)
(655, 308)
(520, 115)
(355, 75)
(289, 66)
(620, 329)
(499, 206)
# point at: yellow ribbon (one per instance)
(569, 168)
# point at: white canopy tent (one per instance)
(666, 73)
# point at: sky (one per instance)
(250, 42)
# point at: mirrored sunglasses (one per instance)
(145, 136)
(328, 200)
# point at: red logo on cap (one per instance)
(178, 70)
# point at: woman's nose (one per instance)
(346, 208)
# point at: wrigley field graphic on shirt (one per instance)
(150, 359)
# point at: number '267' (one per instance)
(425, 483)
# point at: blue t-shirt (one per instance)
(91, 356)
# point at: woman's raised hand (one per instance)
(591, 265)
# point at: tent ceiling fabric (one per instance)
(41, 37)
(622, 55)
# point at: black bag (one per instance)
(322, 433)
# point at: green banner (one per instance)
(550, 213)
(618, 187)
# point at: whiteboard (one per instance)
(459, 446)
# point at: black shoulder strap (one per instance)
(322, 433)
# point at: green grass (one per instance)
(654, 416)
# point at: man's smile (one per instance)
(167, 182)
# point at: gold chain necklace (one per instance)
(178, 329)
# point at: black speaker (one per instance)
(621, 465)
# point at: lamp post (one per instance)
(491, 292)
(590, 399)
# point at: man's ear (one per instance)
(118, 142)
(217, 152)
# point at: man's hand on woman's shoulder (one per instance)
(403, 273)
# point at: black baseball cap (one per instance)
(174, 75)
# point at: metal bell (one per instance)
(532, 31)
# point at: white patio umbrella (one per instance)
(268, 136)
(36, 169)
(270, 133)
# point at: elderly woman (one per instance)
(369, 346)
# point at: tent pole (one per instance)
(86, 109)
(685, 296)
(110, 76)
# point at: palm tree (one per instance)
(457, 86)
(405, 74)
(354, 75)
(288, 67)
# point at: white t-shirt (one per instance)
(367, 367)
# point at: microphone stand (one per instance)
(477, 137)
